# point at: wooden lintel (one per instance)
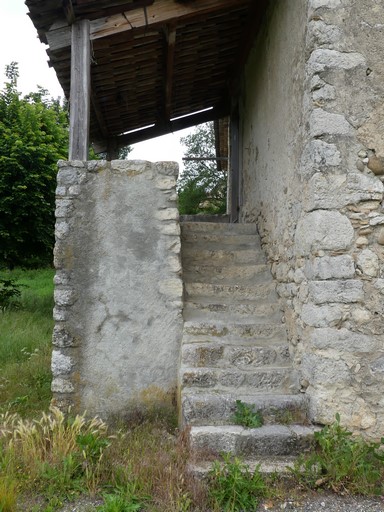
(80, 91)
(171, 42)
(161, 12)
(157, 131)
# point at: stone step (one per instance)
(202, 306)
(269, 440)
(203, 408)
(243, 357)
(195, 331)
(235, 292)
(263, 313)
(275, 380)
(236, 274)
(222, 228)
(221, 239)
(265, 465)
(204, 218)
(220, 257)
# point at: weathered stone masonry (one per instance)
(118, 290)
(313, 171)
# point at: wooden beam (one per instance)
(80, 91)
(159, 13)
(68, 11)
(171, 43)
(157, 131)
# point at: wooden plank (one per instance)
(162, 11)
(159, 13)
(80, 91)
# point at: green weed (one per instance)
(342, 462)
(247, 416)
(10, 294)
(233, 487)
(8, 494)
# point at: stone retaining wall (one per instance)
(317, 195)
(118, 290)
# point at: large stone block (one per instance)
(330, 267)
(319, 156)
(322, 316)
(323, 230)
(334, 191)
(343, 340)
(322, 122)
(324, 58)
(339, 290)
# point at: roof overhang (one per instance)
(156, 65)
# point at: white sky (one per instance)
(19, 42)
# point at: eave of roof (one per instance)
(154, 62)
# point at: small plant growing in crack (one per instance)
(247, 415)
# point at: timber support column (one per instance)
(80, 91)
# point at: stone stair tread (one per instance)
(221, 238)
(201, 314)
(268, 379)
(268, 440)
(203, 408)
(266, 465)
(195, 330)
(264, 291)
(227, 256)
(207, 227)
(229, 275)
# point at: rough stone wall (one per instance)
(327, 211)
(118, 290)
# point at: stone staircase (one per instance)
(234, 346)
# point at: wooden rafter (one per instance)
(171, 42)
(68, 11)
(159, 13)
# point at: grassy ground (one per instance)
(25, 344)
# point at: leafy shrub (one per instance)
(233, 487)
(343, 462)
(247, 416)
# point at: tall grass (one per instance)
(25, 344)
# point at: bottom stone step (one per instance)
(269, 440)
(266, 465)
(218, 409)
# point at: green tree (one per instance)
(33, 137)
(202, 187)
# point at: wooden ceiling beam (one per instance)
(159, 13)
(157, 131)
(69, 12)
(171, 44)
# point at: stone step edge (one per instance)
(276, 440)
(266, 465)
(217, 226)
(203, 407)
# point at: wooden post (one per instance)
(80, 91)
